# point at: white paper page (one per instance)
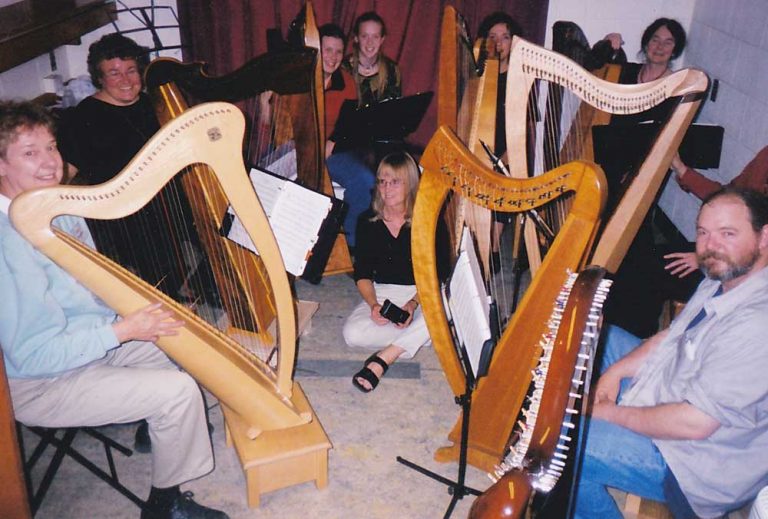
(469, 302)
(295, 215)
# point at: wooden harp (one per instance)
(450, 168)
(255, 382)
(546, 442)
(466, 102)
(296, 125)
(531, 67)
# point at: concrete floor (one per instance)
(408, 415)
(405, 416)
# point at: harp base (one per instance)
(281, 458)
(482, 460)
(339, 262)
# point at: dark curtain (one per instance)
(227, 33)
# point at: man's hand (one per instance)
(681, 264)
(607, 388)
(604, 410)
(146, 324)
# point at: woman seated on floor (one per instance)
(383, 270)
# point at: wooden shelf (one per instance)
(30, 28)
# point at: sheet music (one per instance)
(295, 214)
(468, 302)
(281, 161)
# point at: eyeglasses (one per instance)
(395, 182)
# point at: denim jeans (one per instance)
(351, 172)
(615, 456)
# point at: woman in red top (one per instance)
(753, 176)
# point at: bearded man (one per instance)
(682, 417)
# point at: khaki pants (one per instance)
(133, 382)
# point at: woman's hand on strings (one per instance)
(681, 264)
(329, 145)
(265, 108)
(146, 324)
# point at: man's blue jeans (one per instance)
(615, 456)
(351, 172)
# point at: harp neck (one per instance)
(529, 62)
(450, 167)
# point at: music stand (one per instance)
(389, 121)
(619, 146)
(457, 488)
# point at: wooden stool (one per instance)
(635, 507)
(280, 458)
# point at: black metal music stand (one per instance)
(457, 488)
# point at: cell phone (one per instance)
(393, 312)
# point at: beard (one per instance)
(735, 268)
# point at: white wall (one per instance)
(730, 43)
(628, 17)
(28, 79)
(600, 17)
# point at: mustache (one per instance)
(712, 255)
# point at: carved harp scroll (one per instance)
(529, 62)
(450, 168)
(210, 134)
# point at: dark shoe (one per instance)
(141, 441)
(368, 375)
(184, 507)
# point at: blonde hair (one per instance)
(404, 167)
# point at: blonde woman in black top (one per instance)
(383, 270)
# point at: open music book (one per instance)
(469, 304)
(304, 221)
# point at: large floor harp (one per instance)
(450, 168)
(466, 102)
(533, 67)
(253, 379)
(286, 135)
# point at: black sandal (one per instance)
(368, 375)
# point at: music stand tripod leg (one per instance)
(457, 488)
